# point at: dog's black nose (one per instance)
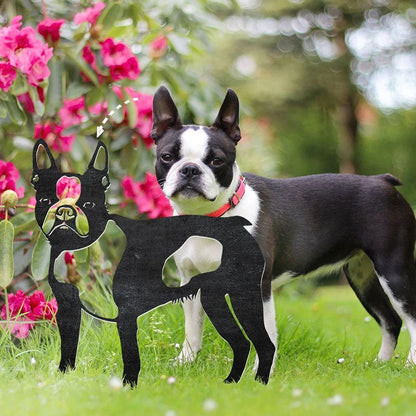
(65, 213)
(190, 170)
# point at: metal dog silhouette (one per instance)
(71, 211)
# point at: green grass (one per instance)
(314, 332)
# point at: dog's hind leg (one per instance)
(400, 286)
(363, 280)
(251, 319)
(221, 317)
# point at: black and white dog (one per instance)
(303, 225)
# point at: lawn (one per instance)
(325, 365)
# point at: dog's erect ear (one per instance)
(165, 113)
(99, 163)
(37, 149)
(227, 118)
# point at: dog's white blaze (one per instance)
(194, 144)
(408, 320)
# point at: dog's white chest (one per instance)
(201, 254)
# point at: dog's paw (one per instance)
(187, 355)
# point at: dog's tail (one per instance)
(94, 315)
(392, 180)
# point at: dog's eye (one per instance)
(216, 162)
(88, 205)
(45, 201)
(166, 157)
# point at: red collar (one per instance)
(233, 201)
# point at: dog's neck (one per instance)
(200, 205)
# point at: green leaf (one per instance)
(6, 253)
(16, 113)
(180, 44)
(82, 65)
(110, 16)
(76, 89)
(131, 109)
(20, 85)
(3, 109)
(94, 96)
(81, 224)
(82, 258)
(23, 222)
(40, 257)
(37, 103)
(54, 94)
(113, 101)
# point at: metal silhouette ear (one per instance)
(94, 160)
(93, 165)
(41, 143)
(35, 155)
(165, 113)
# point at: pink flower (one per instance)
(147, 195)
(68, 187)
(7, 75)
(158, 46)
(9, 175)
(18, 314)
(91, 59)
(130, 69)
(70, 112)
(52, 134)
(114, 53)
(98, 108)
(49, 29)
(23, 310)
(42, 310)
(121, 61)
(22, 50)
(69, 257)
(90, 15)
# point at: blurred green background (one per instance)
(326, 86)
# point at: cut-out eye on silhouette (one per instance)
(89, 205)
(216, 162)
(44, 201)
(166, 157)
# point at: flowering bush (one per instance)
(9, 175)
(22, 311)
(22, 52)
(63, 73)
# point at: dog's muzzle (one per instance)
(68, 218)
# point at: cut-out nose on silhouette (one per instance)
(190, 171)
(65, 213)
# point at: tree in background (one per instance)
(316, 68)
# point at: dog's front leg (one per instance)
(68, 320)
(68, 317)
(194, 325)
(127, 330)
(194, 318)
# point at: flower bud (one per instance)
(9, 199)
